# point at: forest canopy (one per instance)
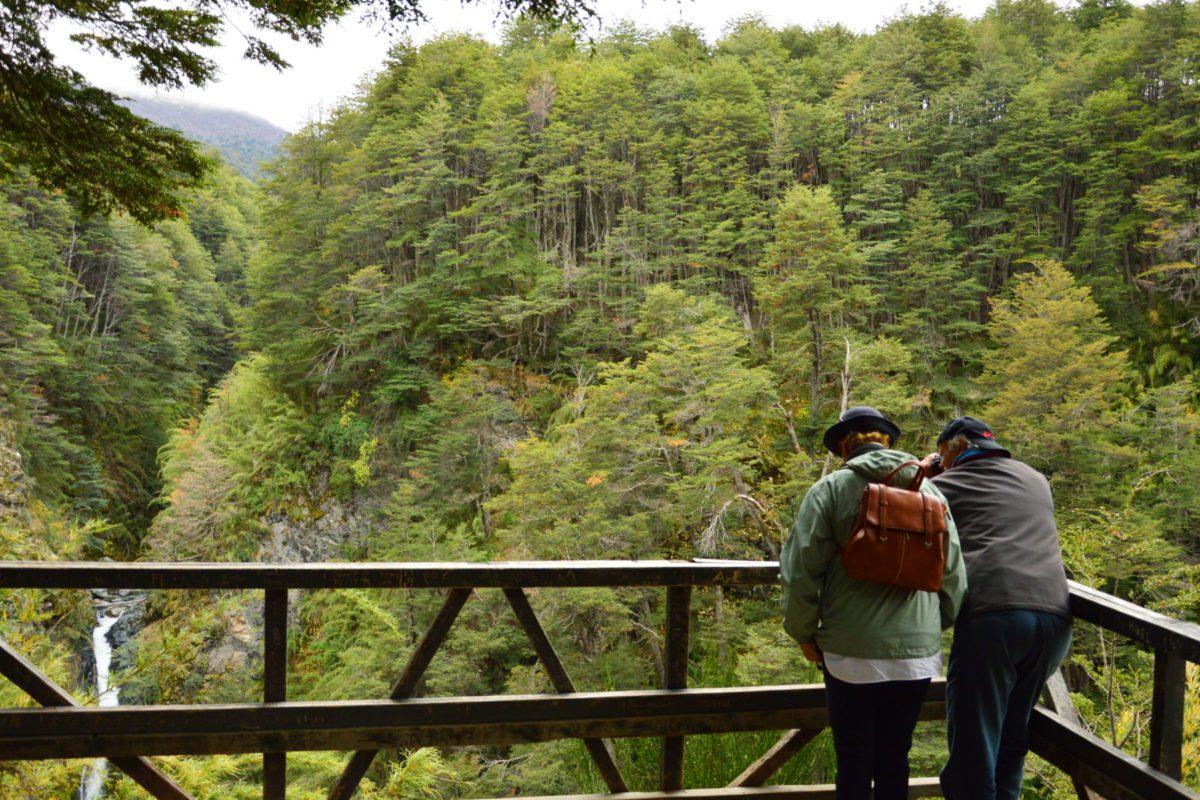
(79, 138)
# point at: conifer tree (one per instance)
(936, 302)
(812, 287)
(1054, 374)
(876, 213)
(653, 455)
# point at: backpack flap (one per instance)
(898, 538)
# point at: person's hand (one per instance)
(812, 652)
(932, 464)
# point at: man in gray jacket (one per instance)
(1015, 625)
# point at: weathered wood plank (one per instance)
(600, 751)
(275, 617)
(466, 710)
(404, 687)
(679, 606)
(275, 614)
(1151, 629)
(1116, 775)
(1147, 627)
(444, 722)
(780, 753)
(1057, 698)
(917, 787)
(1166, 713)
(31, 680)
(415, 575)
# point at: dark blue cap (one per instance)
(976, 431)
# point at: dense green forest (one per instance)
(561, 298)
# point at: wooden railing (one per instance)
(128, 734)
(1095, 765)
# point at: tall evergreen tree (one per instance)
(812, 287)
(1055, 376)
(936, 304)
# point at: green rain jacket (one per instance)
(856, 618)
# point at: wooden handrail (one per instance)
(1174, 643)
(1149, 628)
(1116, 774)
(382, 575)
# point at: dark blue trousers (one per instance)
(999, 663)
(872, 726)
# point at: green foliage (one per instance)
(935, 302)
(112, 332)
(654, 456)
(420, 774)
(1054, 375)
(83, 141)
(223, 469)
(814, 292)
(538, 300)
(465, 429)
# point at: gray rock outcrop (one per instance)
(14, 487)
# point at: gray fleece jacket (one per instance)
(1005, 516)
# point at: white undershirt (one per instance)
(878, 670)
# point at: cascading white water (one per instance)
(106, 616)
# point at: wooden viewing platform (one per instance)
(128, 734)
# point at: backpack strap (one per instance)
(887, 479)
(916, 482)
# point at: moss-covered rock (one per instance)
(14, 488)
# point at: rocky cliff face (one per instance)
(320, 534)
(309, 533)
(14, 488)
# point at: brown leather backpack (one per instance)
(899, 537)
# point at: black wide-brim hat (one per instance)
(856, 419)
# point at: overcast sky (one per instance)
(320, 76)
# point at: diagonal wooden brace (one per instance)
(760, 771)
(599, 749)
(1057, 698)
(46, 692)
(348, 781)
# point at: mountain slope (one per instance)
(245, 141)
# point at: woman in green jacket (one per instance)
(879, 644)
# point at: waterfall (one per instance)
(92, 785)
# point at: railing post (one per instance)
(679, 599)
(275, 684)
(1166, 713)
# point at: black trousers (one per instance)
(872, 726)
